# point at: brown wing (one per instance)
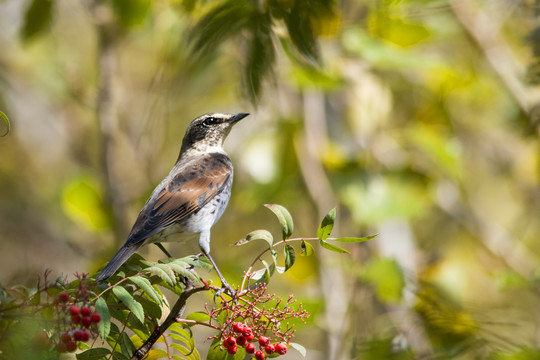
(189, 189)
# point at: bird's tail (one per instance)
(121, 257)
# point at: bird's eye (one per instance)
(210, 121)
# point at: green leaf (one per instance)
(156, 354)
(151, 309)
(137, 341)
(104, 326)
(273, 253)
(333, 247)
(36, 298)
(94, 354)
(263, 275)
(299, 348)
(185, 334)
(6, 120)
(37, 19)
(260, 53)
(215, 353)
(180, 334)
(198, 261)
(181, 268)
(131, 12)
(218, 25)
(274, 266)
(164, 272)
(144, 284)
(396, 30)
(126, 345)
(290, 256)
(198, 316)
(114, 335)
(354, 239)
(189, 353)
(257, 235)
(125, 297)
(119, 356)
(307, 248)
(284, 218)
(138, 327)
(327, 224)
(299, 26)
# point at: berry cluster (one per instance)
(252, 314)
(245, 338)
(79, 323)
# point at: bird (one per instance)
(191, 198)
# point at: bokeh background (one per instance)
(417, 119)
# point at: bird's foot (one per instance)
(225, 289)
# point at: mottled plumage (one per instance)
(192, 197)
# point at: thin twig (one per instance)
(258, 258)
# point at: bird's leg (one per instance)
(162, 248)
(225, 287)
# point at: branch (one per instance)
(176, 312)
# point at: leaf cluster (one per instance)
(255, 23)
(135, 302)
(289, 253)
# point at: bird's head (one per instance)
(209, 131)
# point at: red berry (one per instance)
(95, 318)
(85, 311)
(76, 319)
(85, 336)
(65, 338)
(259, 355)
(61, 347)
(62, 297)
(74, 311)
(263, 340)
(77, 335)
(238, 327)
(232, 349)
(241, 340)
(86, 322)
(281, 348)
(250, 348)
(81, 335)
(270, 349)
(250, 337)
(230, 341)
(246, 331)
(71, 346)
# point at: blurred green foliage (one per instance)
(418, 119)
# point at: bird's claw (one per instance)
(227, 289)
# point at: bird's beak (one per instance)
(237, 117)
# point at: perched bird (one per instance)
(192, 197)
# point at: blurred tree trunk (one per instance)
(308, 145)
(106, 116)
